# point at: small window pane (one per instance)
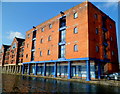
(112, 52)
(96, 30)
(75, 30)
(96, 16)
(49, 38)
(26, 55)
(41, 41)
(42, 29)
(50, 26)
(75, 48)
(28, 35)
(97, 49)
(110, 26)
(48, 52)
(75, 15)
(40, 53)
(27, 45)
(111, 38)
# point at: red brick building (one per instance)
(80, 43)
(4, 55)
(13, 56)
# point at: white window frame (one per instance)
(75, 15)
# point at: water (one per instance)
(15, 83)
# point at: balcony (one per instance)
(62, 43)
(61, 59)
(62, 28)
(33, 50)
(34, 38)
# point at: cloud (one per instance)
(107, 5)
(13, 34)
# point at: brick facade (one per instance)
(80, 35)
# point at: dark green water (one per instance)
(14, 83)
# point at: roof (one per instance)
(20, 39)
(6, 46)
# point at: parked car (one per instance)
(113, 76)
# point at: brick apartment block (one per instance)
(14, 55)
(80, 42)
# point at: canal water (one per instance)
(18, 83)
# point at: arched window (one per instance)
(97, 48)
(75, 30)
(75, 15)
(49, 38)
(96, 30)
(96, 16)
(40, 53)
(41, 41)
(110, 26)
(112, 53)
(48, 53)
(26, 55)
(50, 26)
(75, 48)
(42, 29)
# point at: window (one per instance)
(49, 38)
(75, 30)
(96, 16)
(28, 35)
(27, 45)
(40, 53)
(63, 35)
(21, 60)
(26, 55)
(75, 48)
(62, 51)
(96, 31)
(42, 29)
(112, 53)
(41, 41)
(14, 46)
(50, 26)
(23, 43)
(111, 38)
(110, 26)
(75, 15)
(48, 53)
(97, 49)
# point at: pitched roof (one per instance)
(20, 39)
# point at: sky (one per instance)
(19, 17)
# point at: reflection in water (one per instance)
(13, 83)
